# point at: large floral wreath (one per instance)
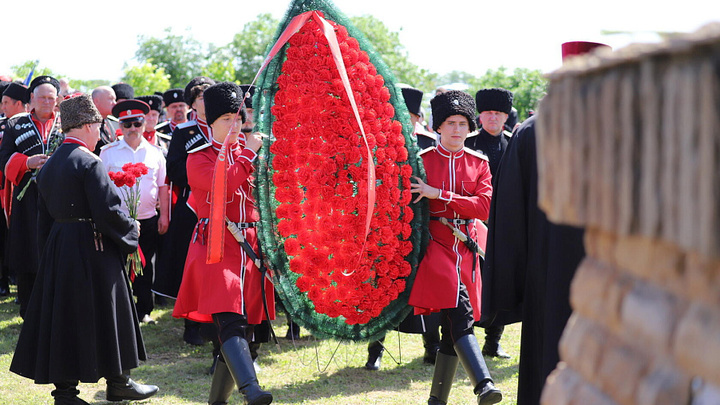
(314, 199)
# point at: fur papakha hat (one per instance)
(413, 99)
(453, 102)
(78, 111)
(223, 98)
(123, 91)
(17, 91)
(496, 99)
(191, 93)
(154, 101)
(174, 96)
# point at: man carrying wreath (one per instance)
(228, 292)
(448, 279)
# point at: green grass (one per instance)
(311, 371)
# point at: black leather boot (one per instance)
(122, 387)
(443, 376)
(468, 350)
(293, 332)
(222, 385)
(375, 352)
(66, 394)
(492, 346)
(431, 342)
(237, 357)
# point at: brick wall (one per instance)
(629, 148)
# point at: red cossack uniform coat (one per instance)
(234, 283)
(465, 183)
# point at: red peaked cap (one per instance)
(575, 48)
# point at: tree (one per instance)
(21, 71)
(388, 45)
(528, 86)
(86, 86)
(181, 57)
(248, 48)
(147, 78)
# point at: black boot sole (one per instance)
(492, 397)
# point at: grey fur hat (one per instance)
(78, 111)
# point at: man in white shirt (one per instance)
(153, 208)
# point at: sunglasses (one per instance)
(136, 124)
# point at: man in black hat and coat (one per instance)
(188, 136)
(177, 111)
(413, 101)
(15, 98)
(24, 150)
(81, 322)
(494, 106)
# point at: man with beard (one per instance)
(23, 151)
(177, 111)
(81, 323)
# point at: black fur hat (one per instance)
(453, 102)
(17, 91)
(413, 99)
(78, 111)
(174, 96)
(44, 80)
(3, 85)
(123, 91)
(248, 88)
(154, 101)
(497, 99)
(223, 98)
(190, 95)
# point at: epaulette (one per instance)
(426, 150)
(476, 153)
(199, 148)
(186, 124)
(110, 145)
(507, 134)
(164, 136)
(427, 134)
(473, 133)
(162, 127)
(112, 118)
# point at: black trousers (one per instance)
(142, 286)
(456, 322)
(230, 324)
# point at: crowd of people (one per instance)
(69, 230)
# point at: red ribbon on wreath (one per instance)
(216, 233)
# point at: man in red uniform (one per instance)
(229, 292)
(448, 279)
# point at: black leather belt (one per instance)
(71, 220)
(456, 221)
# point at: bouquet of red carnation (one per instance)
(127, 182)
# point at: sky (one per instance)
(82, 39)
